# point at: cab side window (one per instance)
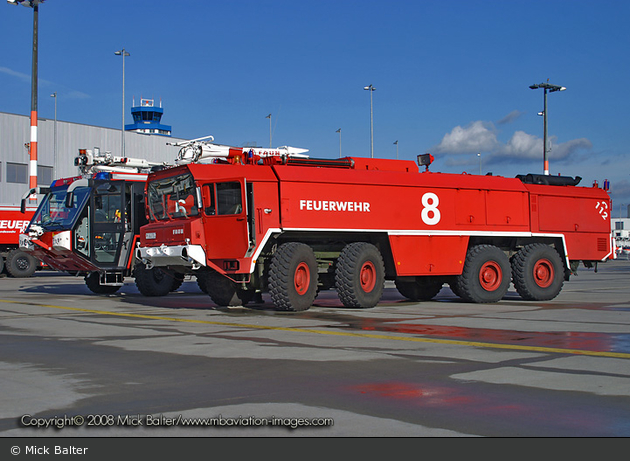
(224, 198)
(229, 198)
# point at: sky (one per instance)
(450, 77)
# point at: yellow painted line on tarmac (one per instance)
(555, 350)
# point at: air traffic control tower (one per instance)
(146, 119)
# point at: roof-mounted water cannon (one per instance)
(425, 160)
(203, 150)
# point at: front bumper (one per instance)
(192, 256)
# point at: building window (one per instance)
(44, 175)
(17, 173)
(619, 225)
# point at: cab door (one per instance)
(108, 211)
(225, 216)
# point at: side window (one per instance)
(108, 205)
(229, 198)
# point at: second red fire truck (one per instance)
(290, 226)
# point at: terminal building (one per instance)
(58, 143)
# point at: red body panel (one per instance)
(12, 223)
(428, 218)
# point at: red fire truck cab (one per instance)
(293, 226)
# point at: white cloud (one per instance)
(475, 137)
(567, 149)
(509, 118)
(13, 73)
(67, 92)
(481, 137)
(522, 145)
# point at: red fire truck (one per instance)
(293, 225)
(14, 261)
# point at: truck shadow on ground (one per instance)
(189, 296)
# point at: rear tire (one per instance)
(420, 289)
(360, 275)
(537, 272)
(293, 277)
(486, 275)
(93, 282)
(154, 281)
(20, 264)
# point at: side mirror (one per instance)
(26, 196)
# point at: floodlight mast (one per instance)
(547, 87)
(32, 146)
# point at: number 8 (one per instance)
(430, 202)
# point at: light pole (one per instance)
(339, 131)
(54, 95)
(396, 142)
(33, 144)
(547, 87)
(371, 89)
(123, 53)
(479, 155)
(269, 117)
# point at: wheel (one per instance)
(20, 264)
(486, 275)
(293, 277)
(360, 275)
(1, 263)
(201, 283)
(420, 289)
(178, 279)
(452, 284)
(222, 290)
(93, 282)
(537, 272)
(154, 281)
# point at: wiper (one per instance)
(53, 225)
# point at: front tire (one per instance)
(93, 282)
(154, 281)
(360, 275)
(486, 275)
(20, 264)
(293, 277)
(222, 290)
(537, 272)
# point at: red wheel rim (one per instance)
(302, 278)
(543, 273)
(490, 276)
(368, 276)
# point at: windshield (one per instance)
(52, 213)
(174, 197)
